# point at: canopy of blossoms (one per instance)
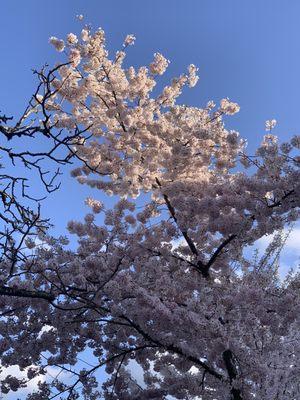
(165, 285)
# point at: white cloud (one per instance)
(52, 373)
(290, 255)
(292, 243)
(32, 384)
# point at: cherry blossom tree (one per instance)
(47, 149)
(165, 285)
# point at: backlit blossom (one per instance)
(161, 277)
(270, 124)
(57, 43)
(75, 57)
(193, 77)
(228, 107)
(129, 40)
(95, 205)
(159, 65)
(85, 35)
(72, 39)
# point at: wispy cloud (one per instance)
(290, 255)
(51, 373)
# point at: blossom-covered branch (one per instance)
(163, 282)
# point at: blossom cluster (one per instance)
(164, 283)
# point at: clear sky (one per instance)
(247, 50)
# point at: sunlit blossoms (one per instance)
(72, 39)
(95, 205)
(228, 107)
(57, 43)
(129, 40)
(270, 124)
(193, 77)
(159, 282)
(159, 65)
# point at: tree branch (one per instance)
(34, 294)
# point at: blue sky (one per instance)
(246, 50)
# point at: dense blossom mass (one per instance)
(165, 285)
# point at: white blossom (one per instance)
(129, 40)
(72, 39)
(162, 278)
(75, 57)
(159, 65)
(228, 107)
(193, 77)
(95, 205)
(270, 124)
(85, 35)
(57, 43)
